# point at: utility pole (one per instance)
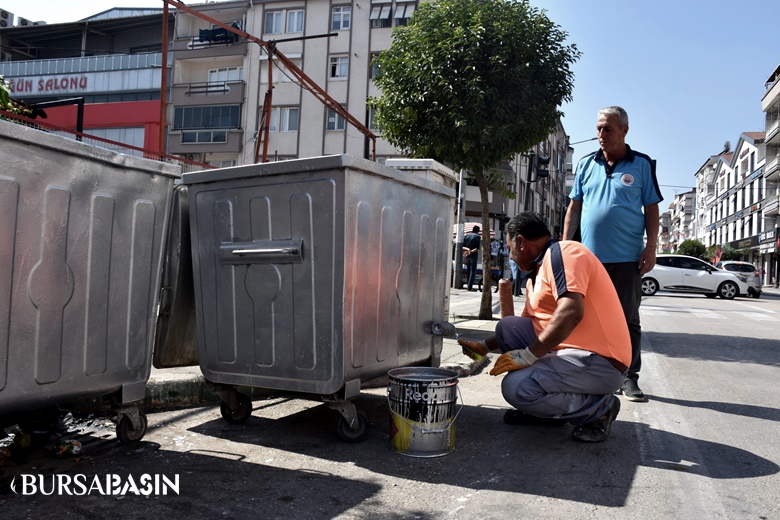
(531, 161)
(457, 270)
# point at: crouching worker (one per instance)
(569, 350)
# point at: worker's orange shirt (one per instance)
(570, 266)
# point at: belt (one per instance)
(617, 364)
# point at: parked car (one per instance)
(681, 273)
(746, 272)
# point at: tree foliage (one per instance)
(472, 83)
(693, 248)
(9, 104)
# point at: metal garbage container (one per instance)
(315, 275)
(81, 246)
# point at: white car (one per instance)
(746, 272)
(681, 273)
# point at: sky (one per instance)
(690, 73)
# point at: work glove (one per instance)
(513, 360)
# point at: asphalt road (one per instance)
(704, 446)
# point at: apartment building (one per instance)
(220, 86)
(770, 235)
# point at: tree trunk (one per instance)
(486, 304)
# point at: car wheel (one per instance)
(649, 286)
(728, 290)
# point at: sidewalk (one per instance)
(185, 386)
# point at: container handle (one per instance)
(262, 252)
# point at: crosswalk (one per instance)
(707, 314)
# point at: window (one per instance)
(334, 121)
(226, 74)
(206, 117)
(402, 13)
(374, 70)
(380, 16)
(273, 22)
(281, 73)
(206, 124)
(272, 126)
(372, 123)
(295, 21)
(289, 122)
(339, 66)
(340, 19)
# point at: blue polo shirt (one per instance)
(612, 224)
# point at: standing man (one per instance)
(471, 244)
(614, 204)
(566, 355)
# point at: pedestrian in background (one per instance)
(566, 355)
(471, 244)
(614, 203)
(517, 278)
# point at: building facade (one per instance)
(218, 85)
(770, 234)
(112, 61)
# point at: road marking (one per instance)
(654, 312)
(759, 309)
(707, 314)
(756, 316)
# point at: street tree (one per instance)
(472, 83)
(695, 248)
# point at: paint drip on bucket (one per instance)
(423, 408)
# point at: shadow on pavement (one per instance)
(212, 484)
(710, 347)
(490, 455)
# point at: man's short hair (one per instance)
(529, 224)
(621, 114)
(475, 229)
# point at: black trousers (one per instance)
(628, 284)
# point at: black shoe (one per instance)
(518, 418)
(598, 430)
(631, 390)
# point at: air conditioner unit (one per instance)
(23, 22)
(6, 56)
(6, 18)
(190, 156)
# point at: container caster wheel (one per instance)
(356, 434)
(125, 431)
(241, 413)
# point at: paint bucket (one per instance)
(423, 403)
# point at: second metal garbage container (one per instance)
(315, 275)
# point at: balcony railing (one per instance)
(204, 93)
(772, 131)
(771, 205)
(771, 168)
(14, 69)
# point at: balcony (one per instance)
(221, 92)
(191, 48)
(771, 205)
(772, 168)
(773, 132)
(231, 144)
